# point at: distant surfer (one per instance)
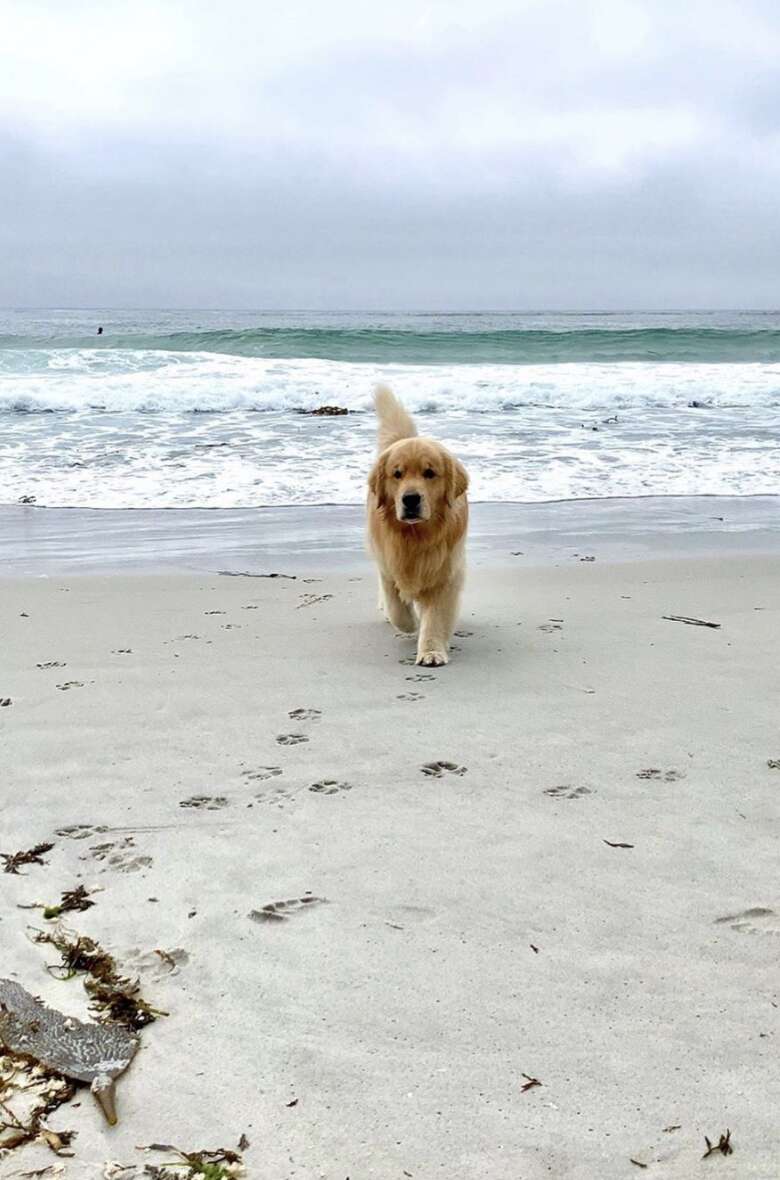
(100, 330)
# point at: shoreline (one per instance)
(37, 541)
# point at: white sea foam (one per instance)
(119, 428)
(148, 381)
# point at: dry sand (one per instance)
(477, 927)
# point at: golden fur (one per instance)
(417, 521)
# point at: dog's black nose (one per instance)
(411, 501)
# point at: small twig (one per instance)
(691, 621)
(723, 1145)
(618, 844)
(529, 1085)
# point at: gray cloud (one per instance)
(460, 154)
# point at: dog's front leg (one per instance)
(437, 619)
(399, 613)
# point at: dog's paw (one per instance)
(432, 659)
(402, 620)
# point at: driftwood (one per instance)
(91, 1053)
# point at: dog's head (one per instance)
(419, 479)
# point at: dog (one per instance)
(417, 521)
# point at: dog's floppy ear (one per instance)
(457, 479)
(376, 482)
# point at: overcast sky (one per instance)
(406, 154)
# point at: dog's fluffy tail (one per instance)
(394, 422)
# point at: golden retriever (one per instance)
(417, 520)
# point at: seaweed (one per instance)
(723, 1146)
(73, 899)
(29, 1093)
(113, 997)
(219, 1164)
(32, 856)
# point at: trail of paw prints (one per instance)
(553, 625)
(81, 831)
(437, 769)
(410, 696)
(656, 775)
(758, 920)
(261, 773)
(52, 664)
(330, 786)
(304, 714)
(120, 856)
(281, 911)
(291, 739)
(420, 676)
(566, 791)
(68, 684)
(205, 802)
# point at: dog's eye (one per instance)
(396, 474)
(429, 473)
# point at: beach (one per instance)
(514, 917)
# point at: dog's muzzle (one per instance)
(411, 502)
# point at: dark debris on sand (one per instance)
(691, 621)
(219, 1164)
(112, 996)
(71, 900)
(32, 856)
(723, 1146)
(47, 1091)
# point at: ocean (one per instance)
(208, 409)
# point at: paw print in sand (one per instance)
(280, 911)
(437, 769)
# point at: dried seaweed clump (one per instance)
(113, 997)
(72, 899)
(32, 856)
(29, 1093)
(222, 1164)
